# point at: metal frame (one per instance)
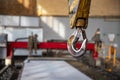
(46, 45)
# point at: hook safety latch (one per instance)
(74, 39)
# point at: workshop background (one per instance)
(50, 20)
(28, 16)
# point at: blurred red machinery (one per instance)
(46, 45)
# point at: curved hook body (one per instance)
(72, 41)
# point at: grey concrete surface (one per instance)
(51, 70)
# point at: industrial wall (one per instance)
(56, 27)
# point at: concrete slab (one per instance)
(51, 70)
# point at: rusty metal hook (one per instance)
(72, 41)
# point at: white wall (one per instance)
(14, 33)
(106, 27)
(19, 27)
(19, 21)
(55, 28)
(58, 27)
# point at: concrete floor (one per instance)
(51, 70)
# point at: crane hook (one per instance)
(72, 41)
